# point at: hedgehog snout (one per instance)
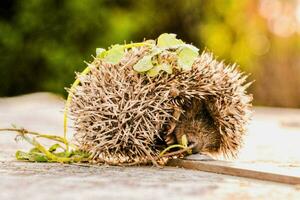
(194, 141)
(197, 145)
(191, 135)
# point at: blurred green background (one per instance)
(42, 42)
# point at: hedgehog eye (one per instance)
(193, 142)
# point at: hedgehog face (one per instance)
(198, 125)
(200, 134)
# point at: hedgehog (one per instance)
(138, 99)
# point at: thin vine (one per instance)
(40, 154)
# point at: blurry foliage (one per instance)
(42, 42)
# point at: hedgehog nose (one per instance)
(195, 149)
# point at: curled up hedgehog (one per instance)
(135, 100)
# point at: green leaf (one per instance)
(20, 155)
(100, 52)
(143, 64)
(68, 154)
(168, 40)
(187, 56)
(34, 150)
(38, 157)
(65, 154)
(80, 153)
(115, 54)
(167, 68)
(54, 147)
(62, 154)
(154, 71)
(184, 140)
(32, 156)
(150, 42)
(192, 47)
(155, 51)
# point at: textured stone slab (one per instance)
(55, 181)
(267, 142)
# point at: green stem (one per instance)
(181, 151)
(171, 147)
(138, 44)
(24, 131)
(50, 155)
(69, 98)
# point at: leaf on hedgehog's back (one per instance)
(155, 51)
(168, 40)
(143, 64)
(152, 42)
(115, 54)
(156, 69)
(100, 52)
(187, 56)
(167, 68)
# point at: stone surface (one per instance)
(273, 139)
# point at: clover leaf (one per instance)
(186, 57)
(100, 52)
(167, 68)
(143, 64)
(154, 71)
(168, 40)
(115, 54)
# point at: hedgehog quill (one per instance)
(143, 103)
